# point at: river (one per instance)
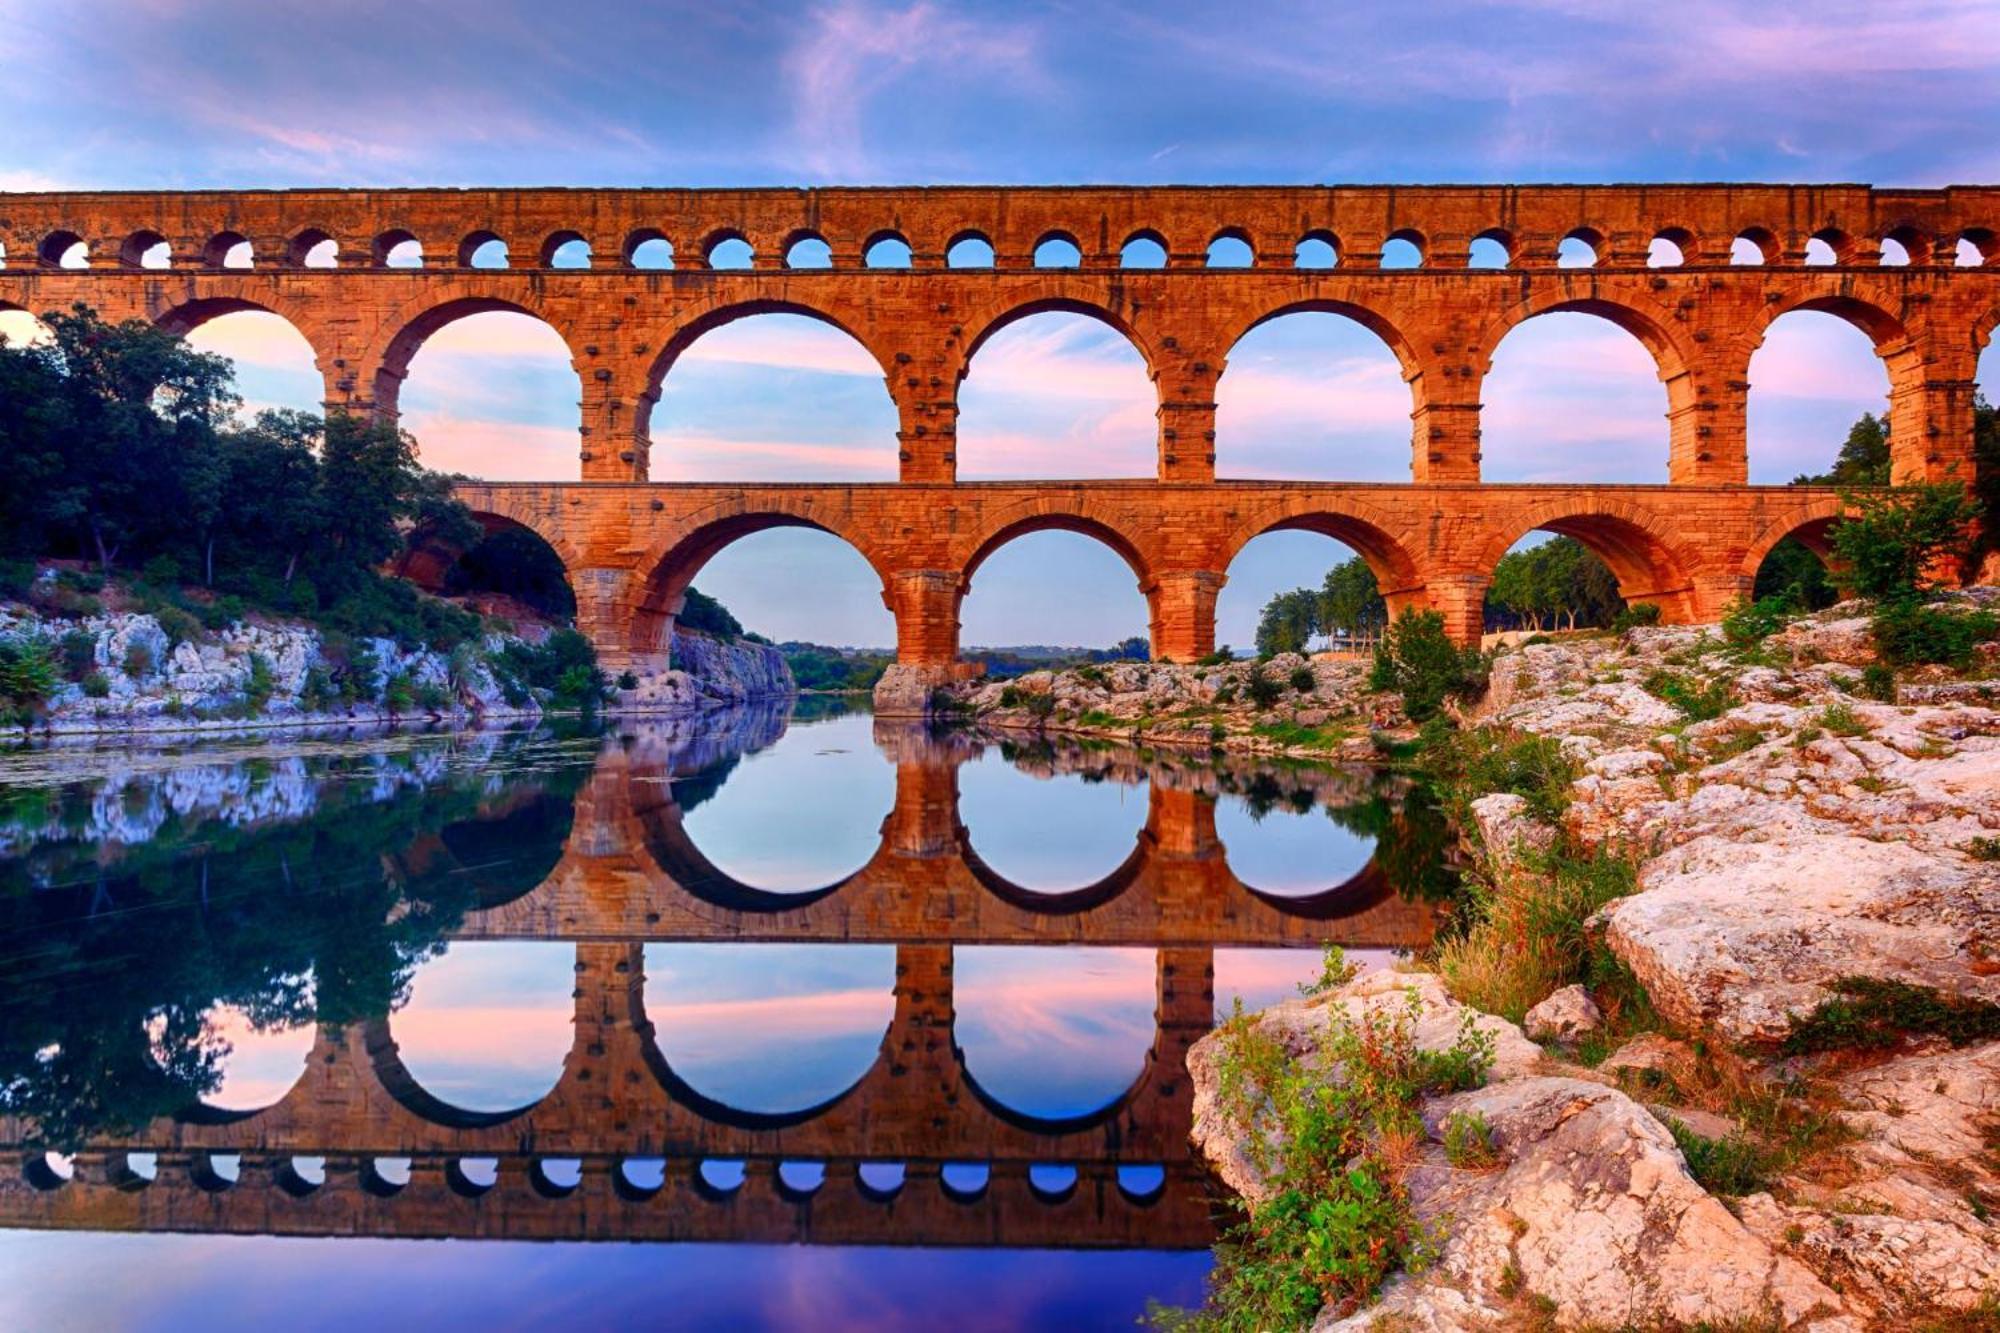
(768, 1019)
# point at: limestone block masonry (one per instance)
(632, 546)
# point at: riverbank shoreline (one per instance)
(1738, 912)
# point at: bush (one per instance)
(1263, 690)
(219, 614)
(1303, 680)
(433, 698)
(1222, 656)
(1749, 623)
(79, 654)
(262, 683)
(1866, 1013)
(179, 626)
(28, 676)
(1877, 681)
(1889, 541)
(1841, 721)
(97, 685)
(1697, 703)
(138, 660)
(1474, 763)
(317, 692)
(628, 680)
(400, 694)
(17, 578)
(1636, 615)
(1733, 1166)
(563, 667)
(1468, 1141)
(1910, 632)
(1418, 660)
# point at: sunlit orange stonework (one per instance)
(632, 546)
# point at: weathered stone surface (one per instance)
(1507, 829)
(1566, 1016)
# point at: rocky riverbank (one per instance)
(123, 672)
(1317, 708)
(1769, 1095)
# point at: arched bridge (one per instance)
(632, 546)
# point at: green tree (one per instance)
(1288, 622)
(1350, 602)
(1863, 459)
(1889, 541)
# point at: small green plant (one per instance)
(1092, 674)
(1337, 1218)
(1839, 719)
(1225, 694)
(1734, 1165)
(1877, 681)
(399, 695)
(1303, 679)
(1750, 623)
(1982, 849)
(1222, 656)
(1335, 971)
(1468, 1141)
(138, 663)
(1636, 615)
(628, 680)
(317, 692)
(257, 690)
(1910, 632)
(1868, 1013)
(1261, 688)
(1696, 701)
(178, 625)
(432, 697)
(28, 676)
(97, 685)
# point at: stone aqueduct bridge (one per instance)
(632, 546)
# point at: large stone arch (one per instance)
(1898, 345)
(185, 316)
(426, 562)
(703, 320)
(388, 359)
(1059, 298)
(1386, 545)
(1645, 554)
(669, 564)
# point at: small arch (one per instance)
(1044, 844)
(63, 249)
(1829, 246)
(728, 249)
(807, 250)
(1316, 250)
(228, 249)
(1905, 245)
(1405, 249)
(1142, 1183)
(1368, 535)
(1567, 399)
(145, 249)
(313, 247)
(1060, 578)
(1058, 249)
(1581, 248)
(1669, 248)
(886, 249)
(1231, 248)
(432, 1068)
(1754, 247)
(471, 1177)
(1057, 521)
(969, 249)
(879, 1182)
(1056, 396)
(397, 248)
(1143, 249)
(1316, 391)
(482, 249)
(1816, 369)
(1052, 1182)
(648, 248)
(964, 1182)
(1492, 248)
(1977, 246)
(565, 249)
(639, 1178)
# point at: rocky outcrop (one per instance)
(707, 673)
(1319, 706)
(1589, 1208)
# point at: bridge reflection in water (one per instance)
(625, 1146)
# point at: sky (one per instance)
(229, 93)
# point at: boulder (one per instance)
(1567, 1017)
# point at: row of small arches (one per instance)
(1229, 248)
(633, 1178)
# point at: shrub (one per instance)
(317, 692)
(1749, 623)
(17, 578)
(1091, 674)
(1335, 971)
(1734, 1165)
(1877, 681)
(178, 625)
(1263, 690)
(1636, 615)
(399, 695)
(1225, 694)
(219, 614)
(1912, 633)
(1468, 1141)
(97, 685)
(1222, 656)
(79, 654)
(628, 680)
(28, 676)
(1338, 1219)
(1982, 849)
(1010, 696)
(1697, 703)
(1841, 721)
(1866, 1013)
(257, 690)
(1418, 660)
(1889, 541)
(1303, 680)
(432, 697)
(1472, 763)
(138, 660)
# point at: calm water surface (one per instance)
(765, 1020)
